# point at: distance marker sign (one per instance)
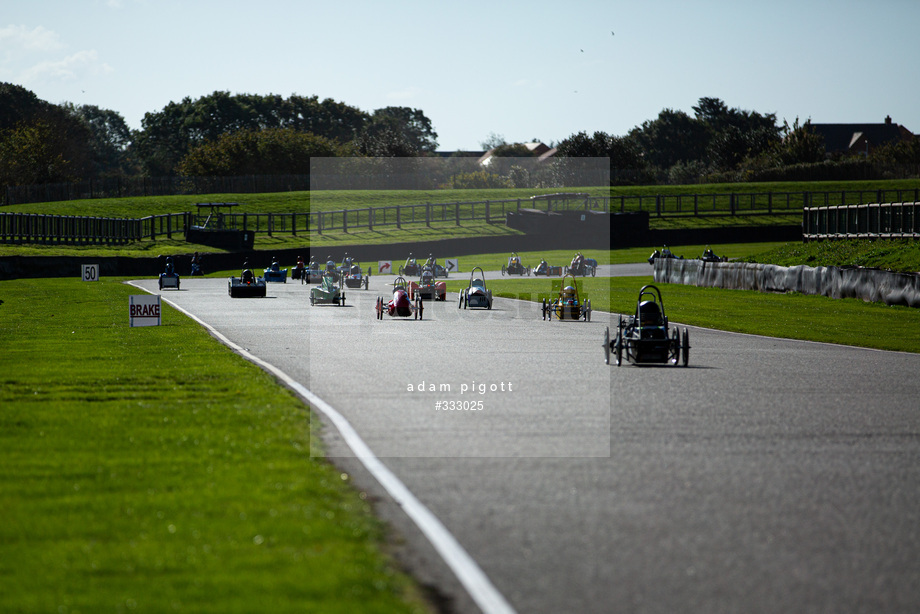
(144, 310)
(90, 272)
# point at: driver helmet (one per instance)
(568, 293)
(649, 313)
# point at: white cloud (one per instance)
(37, 39)
(34, 55)
(66, 69)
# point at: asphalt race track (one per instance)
(769, 476)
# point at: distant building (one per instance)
(860, 138)
(540, 151)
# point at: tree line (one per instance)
(225, 134)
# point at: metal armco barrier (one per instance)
(878, 220)
(834, 282)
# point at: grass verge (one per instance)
(154, 469)
(894, 254)
(791, 316)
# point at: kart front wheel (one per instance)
(685, 347)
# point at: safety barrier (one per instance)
(872, 285)
(874, 220)
(76, 230)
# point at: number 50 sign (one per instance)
(90, 272)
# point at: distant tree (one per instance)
(513, 150)
(735, 135)
(111, 139)
(17, 104)
(800, 144)
(40, 142)
(479, 180)
(167, 135)
(273, 151)
(492, 141)
(411, 126)
(328, 118)
(164, 138)
(35, 153)
(712, 112)
(383, 141)
(897, 153)
(622, 151)
(671, 137)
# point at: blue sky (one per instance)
(521, 70)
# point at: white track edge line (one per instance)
(470, 575)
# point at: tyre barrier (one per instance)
(873, 285)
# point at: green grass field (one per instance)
(154, 469)
(302, 202)
(332, 200)
(894, 254)
(792, 316)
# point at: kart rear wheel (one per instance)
(685, 347)
(607, 346)
(675, 347)
(504, 268)
(544, 309)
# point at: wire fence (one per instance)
(38, 228)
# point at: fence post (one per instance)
(457, 213)
(370, 218)
(398, 216)
(345, 221)
(488, 210)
